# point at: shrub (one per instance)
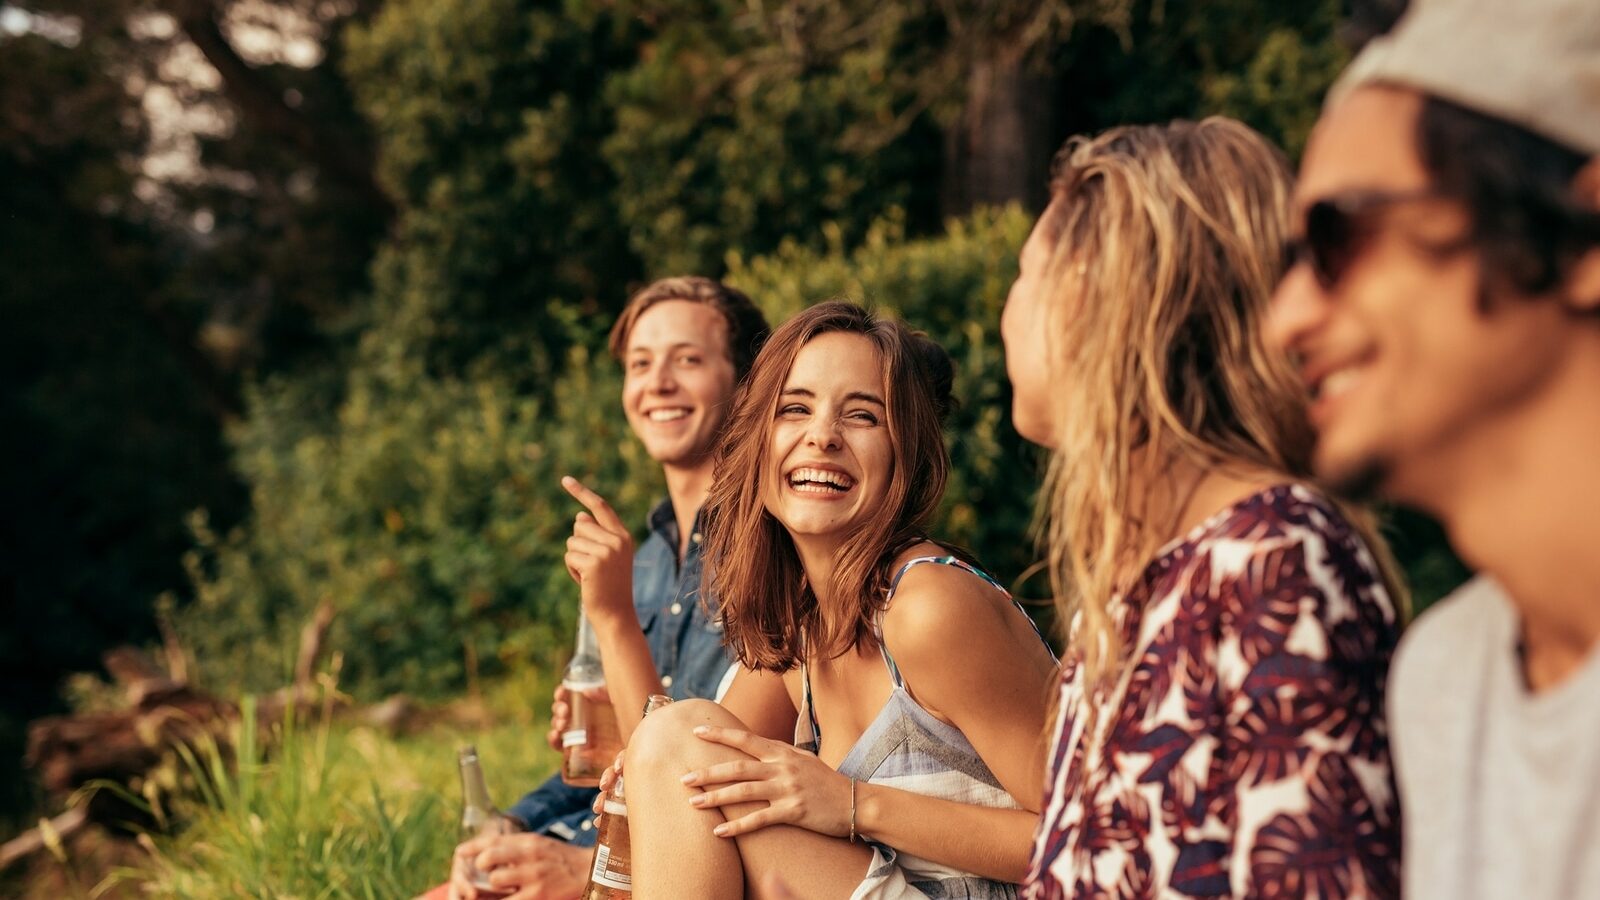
(428, 511)
(429, 514)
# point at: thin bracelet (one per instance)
(852, 810)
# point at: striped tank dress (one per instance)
(905, 747)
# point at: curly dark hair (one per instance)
(1527, 221)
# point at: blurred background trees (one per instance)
(303, 299)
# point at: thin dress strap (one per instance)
(894, 584)
(813, 740)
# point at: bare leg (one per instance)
(674, 852)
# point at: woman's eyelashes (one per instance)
(855, 416)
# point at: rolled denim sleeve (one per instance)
(558, 810)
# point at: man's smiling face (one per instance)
(1405, 362)
(678, 380)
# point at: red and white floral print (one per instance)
(1244, 752)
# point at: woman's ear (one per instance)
(1582, 288)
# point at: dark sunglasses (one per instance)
(1338, 228)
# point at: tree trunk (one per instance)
(999, 150)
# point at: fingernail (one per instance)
(697, 800)
(701, 730)
(720, 830)
(687, 779)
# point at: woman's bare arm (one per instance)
(972, 659)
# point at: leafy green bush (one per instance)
(428, 510)
(430, 515)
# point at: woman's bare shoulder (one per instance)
(936, 605)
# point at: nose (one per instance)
(1299, 307)
(662, 380)
(823, 433)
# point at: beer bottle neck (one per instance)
(474, 790)
(585, 670)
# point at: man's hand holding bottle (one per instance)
(520, 867)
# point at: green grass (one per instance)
(323, 809)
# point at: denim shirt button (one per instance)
(676, 609)
(587, 824)
(666, 681)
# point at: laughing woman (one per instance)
(883, 739)
(1220, 728)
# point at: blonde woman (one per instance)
(1220, 728)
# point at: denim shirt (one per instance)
(684, 642)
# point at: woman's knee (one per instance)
(665, 739)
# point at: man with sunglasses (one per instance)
(1443, 305)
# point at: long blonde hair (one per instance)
(1164, 249)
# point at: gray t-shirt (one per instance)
(1499, 787)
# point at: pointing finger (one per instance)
(596, 504)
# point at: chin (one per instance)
(678, 454)
(1032, 430)
(1360, 478)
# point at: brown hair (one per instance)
(747, 327)
(751, 565)
(1168, 237)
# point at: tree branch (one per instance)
(262, 103)
(35, 839)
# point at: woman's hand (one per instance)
(607, 779)
(798, 788)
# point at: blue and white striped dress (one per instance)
(905, 747)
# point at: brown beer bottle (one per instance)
(592, 739)
(611, 875)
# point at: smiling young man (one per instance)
(684, 344)
(1444, 306)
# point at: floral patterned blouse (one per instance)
(1243, 753)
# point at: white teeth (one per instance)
(820, 481)
(666, 415)
(1338, 383)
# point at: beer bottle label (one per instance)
(575, 738)
(603, 873)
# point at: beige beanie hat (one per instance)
(1535, 63)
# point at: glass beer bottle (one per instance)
(592, 739)
(479, 816)
(611, 875)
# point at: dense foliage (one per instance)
(432, 518)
